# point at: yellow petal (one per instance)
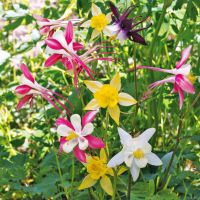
(87, 182)
(114, 113)
(92, 105)
(110, 171)
(95, 10)
(103, 155)
(126, 99)
(106, 185)
(121, 170)
(93, 86)
(108, 17)
(116, 82)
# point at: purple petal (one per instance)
(94, 142)
(88, 117)
(27, 73)
(79, 154)
(135, 37)
(114, 10)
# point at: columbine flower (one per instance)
(136, 152)
(76, 135)
(108, 96)
(123, 27)
(99, 22)
(30, 88)
(97, 170)
(63, 47)
(48, 26)
(182, 79)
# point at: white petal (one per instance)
(141, 163)
(95, 10)
(153, 159)
(125, 138)
(76, 122)
(122, 36)
(135, 171)
(108, 17)
(95, 33)
(108, 32)
(69, 145)
(63, 130)
(184, 70)
(146, 135)
(86, 24)
(126, 99)
(59, 35)
(116, 160)
(92, 105)
(128, 159)
(146, 147)
(88, 129)
(83, 143)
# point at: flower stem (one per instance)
(181, 121)
(129, 186)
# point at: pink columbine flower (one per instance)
(48, 26)
(182, 78)
(29, 88)
(76, 135)
(62, 47)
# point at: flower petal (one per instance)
(27, 73)
(94, 142)
(88, 129)
(141, 163)
(125, 138)
(63, 121)
(22, 89)
(118, 159)
(86, 24)
(95, 10)
(128, 159)
(114, 10)
(77, 46)
(53, 44)
(116, 82)
(76, 122)
(83, 143)
(88, 117)
(52, 60)
(79, 154)
(136, 37)
(114, 112)
(103, 156)
(122, 169)
(93, 86)
(95, 33)
(69, 32)
(153, 159)
(135, 171)
(62, 142)
(92, 105)
(63, 130)
(69, 146)
(87, 182)
(126, 99)
(106, 185)
(147, 134)
(181, 96)
(184, 56)
(24, 100)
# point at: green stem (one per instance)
(129, 186)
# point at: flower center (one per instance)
(191, 78)
(99, 22)
(107, 96)
(138, 154)
(96, 168)
(72, 135)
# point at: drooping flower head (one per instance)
(48, 26)
(99, 22)
(182, 79)
(98, 170)
(76, 135)
(108, 96)
(124, 27)
(62, 47)
(136, 152)
(29, 88)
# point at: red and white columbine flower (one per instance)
(76, 135)
(182, 78)
(48, 26)
(30, 88)
(62, 47)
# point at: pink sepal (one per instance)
(62, 142)
(22, 89)
(94, 142)
(63, 121)
(53, 44)
(23, 101)
(79, 154)
(69, 32)
(52, 60)
(89, 117)
(27, 73)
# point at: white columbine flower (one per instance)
(136, 152)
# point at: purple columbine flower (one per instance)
(124, 27)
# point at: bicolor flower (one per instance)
(108, 96)
(62, 47)
(99, 171)
(48, 26)
(99, 22)
(124, 27)
(181, 77)
(76, 135)
(136, 152)
(29, 88)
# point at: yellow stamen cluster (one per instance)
(96, 168)
(99, 22)
(107, 96)
(72, 135)
(138, 154)
(191, 78)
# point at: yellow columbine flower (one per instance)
(99, 22)
(97, 170)
(108, 96)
